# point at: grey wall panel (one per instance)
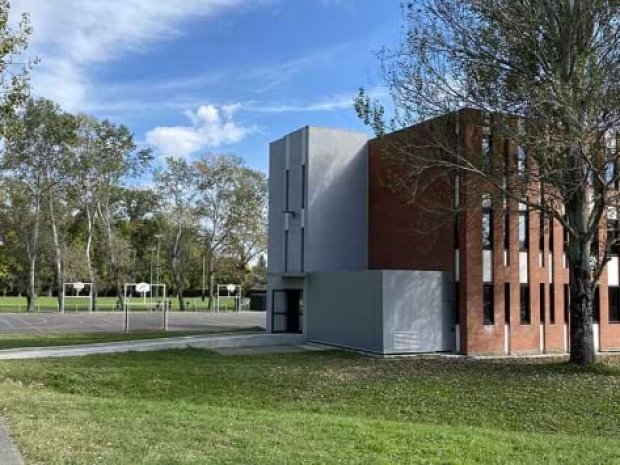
(277, 164)
(344, 309)
(418, 311)
(337, 217)
(296, 147)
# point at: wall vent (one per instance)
(406, 340)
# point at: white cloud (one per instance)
(70, 35)
(212, 127)
(343, 101)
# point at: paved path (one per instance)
(99, 322)
(9, 455)
(188, 342)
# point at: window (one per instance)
(523, 229)
(521, 161)
(457, 298)
(456, 232)
(303, 186)
(614, 304)
(506, 229)
(487, 145)
(303, 250)
(489, 316)
(526, 316)
(507, 303)
(566, 303)
(613, 236)
(542, 225)
(596, 306)
(565, 234)
(506, 160)
(543, 302)
(611, 144)
(487, 228)
(551, 304)
(551, 232)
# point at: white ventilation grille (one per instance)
(406, 341)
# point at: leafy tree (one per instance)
(548, 72)
(39, 142)
(110, 156)
(177, 184)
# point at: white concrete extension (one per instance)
(151, 345)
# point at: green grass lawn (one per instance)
(72, 304)
(194, 407)
(13, 341)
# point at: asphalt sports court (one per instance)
(110, 322)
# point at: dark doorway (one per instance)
(287, 311)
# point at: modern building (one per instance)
(353, 263)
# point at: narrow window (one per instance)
(542, 227)
(542, 303)
(457, 297)
(551, 233)
(566, 303)
(287, 183)
(596, 306)
(506, 230)
(487, 145)
(303, 250)
(286, 250)
(487, 226)
(551, 304)
(456, 232)
(489, 316)
(521, 161)
(613, 238)
(303, 186)
(614, 304)
(523, 229)
(525, 304)
(565, 235)
(507, 303)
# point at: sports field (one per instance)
(108, 304)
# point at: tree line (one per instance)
(80, 202)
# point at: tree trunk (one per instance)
(211, 279)
(92, 275)
(31, 295)
(32, 250)
(60, 278)
(582, 283)
(176, 266)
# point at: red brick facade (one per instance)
(399, 238)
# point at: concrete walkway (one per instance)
(219, 341)
(9, 455)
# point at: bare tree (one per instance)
(548, 73)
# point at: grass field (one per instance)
(194, 407)
(13, 341)
(72, 304)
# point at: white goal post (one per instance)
(144, 289)
(234, 291)
(78, 287)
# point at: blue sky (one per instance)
(195, 76)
